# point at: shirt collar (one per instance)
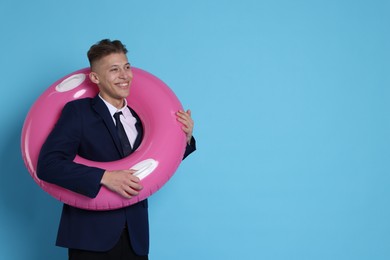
(113, 109)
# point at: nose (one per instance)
(126, 74)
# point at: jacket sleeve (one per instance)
(190, 148)
(55, 161)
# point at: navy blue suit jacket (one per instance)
(86, 128)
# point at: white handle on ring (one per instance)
(71, 82)
(144, 168)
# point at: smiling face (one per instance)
(113, 76)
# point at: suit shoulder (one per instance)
(79, 103)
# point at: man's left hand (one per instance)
(184, 117)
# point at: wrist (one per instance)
(105, 177)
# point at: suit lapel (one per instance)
(101, 108)
(139, 128)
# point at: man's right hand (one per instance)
(122, 182)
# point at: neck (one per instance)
(118, 103)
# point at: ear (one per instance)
(94, 77)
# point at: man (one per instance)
(85, 127)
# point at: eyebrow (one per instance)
(116, 65)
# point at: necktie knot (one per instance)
(117, 117)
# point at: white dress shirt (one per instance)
(127, 119)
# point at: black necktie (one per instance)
(126, 147)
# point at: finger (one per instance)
(184, 116)
(181, 115)
(132, 171)
(135, 185)
(134, 178)
(131, 190)
(123, 192)
(188, 112)
(186, 129)
(185, 122)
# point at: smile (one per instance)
(123, 85)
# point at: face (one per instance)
(113, 76)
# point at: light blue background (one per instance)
(291, 104)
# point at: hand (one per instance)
(188, 123)
(122, 182)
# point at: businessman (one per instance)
(90, 127)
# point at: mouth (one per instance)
(123, 84)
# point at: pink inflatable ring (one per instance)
(157, 158)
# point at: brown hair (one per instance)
(103, 48)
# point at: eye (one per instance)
(127, 67)
(115, 69)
